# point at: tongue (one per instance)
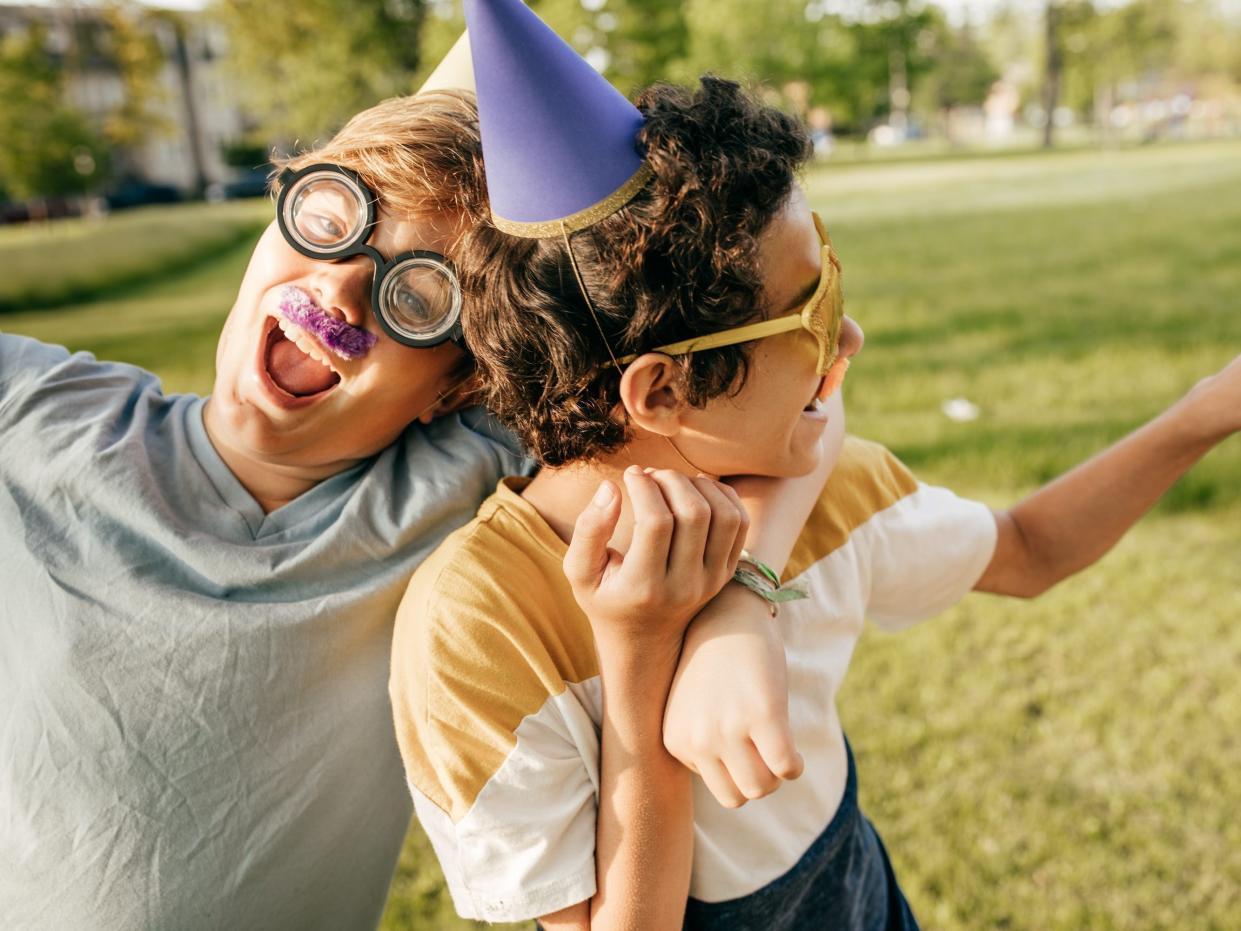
(295, 372)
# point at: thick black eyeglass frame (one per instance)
(359, 246)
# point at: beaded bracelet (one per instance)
(763, 581)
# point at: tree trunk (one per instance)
(1104, 100)
(193, 128)
(898, 89)
(1055, 67)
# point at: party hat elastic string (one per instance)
(564, 234)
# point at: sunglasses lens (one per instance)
(325, 212)
(421, 300)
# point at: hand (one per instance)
(687, 538)
(727, 717)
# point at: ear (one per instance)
(465, 393)
(650, 393)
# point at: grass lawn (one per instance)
(51, 264)
(1070, 763)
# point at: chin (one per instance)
(242, 424)
(804, 461)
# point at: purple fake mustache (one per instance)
(347, 341)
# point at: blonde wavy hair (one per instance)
(420, 154)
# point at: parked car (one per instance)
(48, 208)
(136, 193)
(249, 182)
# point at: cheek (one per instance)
(221, 348)
(768, 407)
(406, 381)
(229, 345)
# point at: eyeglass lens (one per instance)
(420, 298)
(326, 212)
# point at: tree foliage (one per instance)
(962, 73)
(49, 148)
(860, 62)
(861, 59)
(1103, 48)
(126, 40)
(305, 66)
(643, 38)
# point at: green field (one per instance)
(49, 265)
(1071, 763)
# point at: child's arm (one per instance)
(728, 712)
(1070, 523)
(687, 538)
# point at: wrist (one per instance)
(641, 659)
(1197, 420)
(735, 611)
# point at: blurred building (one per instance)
(194, 111)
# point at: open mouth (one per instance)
(292, 370)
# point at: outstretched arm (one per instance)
(1072, 522)
(688, 534)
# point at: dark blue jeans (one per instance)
(844, 882)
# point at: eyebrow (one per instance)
(803, 295)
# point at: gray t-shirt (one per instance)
(194, 721)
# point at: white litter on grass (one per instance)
(961, 410)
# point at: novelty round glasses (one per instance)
(326, 212)
(822, 316)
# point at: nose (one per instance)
(851, 338)
(343, 289)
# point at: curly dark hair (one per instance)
(681, 259)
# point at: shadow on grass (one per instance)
(122, 283)
(179, 344)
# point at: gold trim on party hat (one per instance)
(583, 218)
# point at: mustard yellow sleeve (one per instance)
(497, 730)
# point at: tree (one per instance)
(127, 41)
(49, 148)
(962, 73)
(745, 41)
(897, 38)
(1054, 70)
(314, 63)
(1207, 44)
(783, 44)
(645, 37)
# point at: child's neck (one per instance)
(560, 494)
(271, 483)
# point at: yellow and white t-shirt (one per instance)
(496, 693)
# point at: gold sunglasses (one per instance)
(821, 316)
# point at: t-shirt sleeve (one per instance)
(23, 361)
(53, 401)
(500, 756)
(926, 552)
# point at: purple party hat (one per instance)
(558, 139)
